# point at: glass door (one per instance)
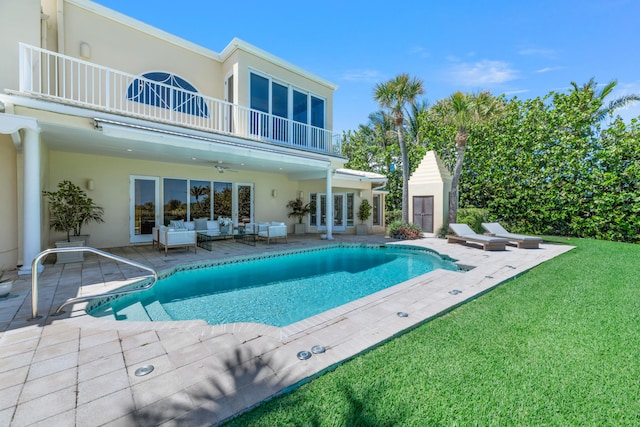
(339, 212)
(244, 203)
(144, 207)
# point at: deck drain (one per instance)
(143, 370)
(510, 266)
(304, 355)
(402, 314)
(488, 277)
(317, 349)
(455, 292)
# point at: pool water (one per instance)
(278, 290)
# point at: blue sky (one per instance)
(519, 48)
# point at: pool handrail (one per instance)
(34, 277)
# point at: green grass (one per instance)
(558, 346)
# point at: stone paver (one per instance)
(78, 370)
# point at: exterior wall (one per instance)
(431, 178)
(119, 46)
(8, 203)
(20, 22)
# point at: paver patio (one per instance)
(78, 370)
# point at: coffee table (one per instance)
(206, 238)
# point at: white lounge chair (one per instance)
(274, 230)
(464, 234)
(520, 240)
(171, 238)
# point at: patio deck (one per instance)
(78, 370)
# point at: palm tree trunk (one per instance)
(405, 177)
(457, 171)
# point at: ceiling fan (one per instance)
(221, 169)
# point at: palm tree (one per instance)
(394, 95)
(598, 96)
(464, 111)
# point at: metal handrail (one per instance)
(34, 277)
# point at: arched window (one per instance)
(184, 99)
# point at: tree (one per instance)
(394, 95)
(463, 112)
(597, 97)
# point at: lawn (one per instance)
(560, 345)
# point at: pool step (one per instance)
(135, 312)
(155, 311)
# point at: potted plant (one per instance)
(297, 208)
(70, 209)
(364, 212)
(6, 283)
(225, 224)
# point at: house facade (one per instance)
(156, 128)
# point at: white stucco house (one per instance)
(144, 120)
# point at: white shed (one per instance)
(429, 189)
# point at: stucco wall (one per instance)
(20, 22)
(111, 189)
(8, 203)
(119, 46)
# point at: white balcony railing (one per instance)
(73, 81)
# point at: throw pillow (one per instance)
(178, 224)
(200, 223)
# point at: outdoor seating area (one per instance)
(465, 235)
(205, 233)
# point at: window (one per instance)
(313, 215)
(174, 196)
(350, 210)
(280, 103)
(200, 201)
(222, 199)
(155, 89)
(376, 209)
(279, 108)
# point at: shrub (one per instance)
(399, 230)
(473, 217)
(392, 216)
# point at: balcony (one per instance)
(64, 79)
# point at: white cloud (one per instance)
(516, 91)
(548, 69)
(482, 73)
(364, 76)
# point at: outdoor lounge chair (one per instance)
(464, 234)
(520, 240)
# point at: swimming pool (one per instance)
(275, 289)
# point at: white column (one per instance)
(329, 213)
(31, 221)
(30, 145)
